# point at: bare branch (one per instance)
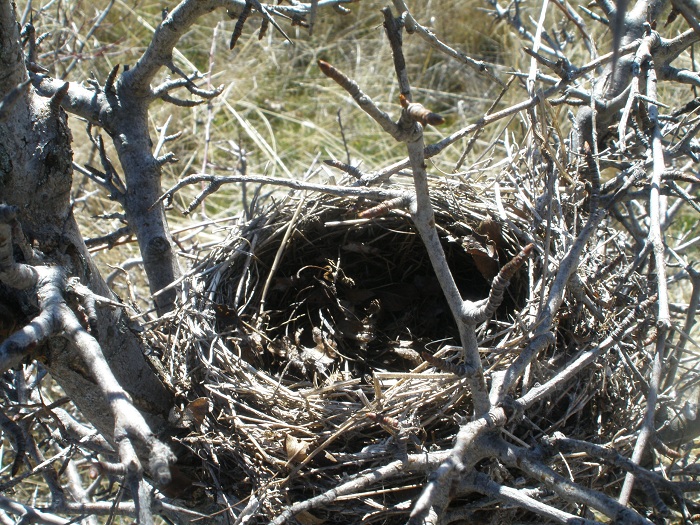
(347, 168)
(362, 100)
(164, 89)
(217, 181)
(412, 26)
(490, 118)
(56, 317)
(573, 368)
(610, 455)
(357, 484)
(31, 514)
(568, 490)
(663, 319)
(478, 482)
(544, 320)
(465, 454)
(181, 102)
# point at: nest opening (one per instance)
(363, 297)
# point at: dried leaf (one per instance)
(296, 449)
(193, 414)
(485, 256)
(197, 410)
(492, 231)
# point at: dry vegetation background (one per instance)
(276, 104)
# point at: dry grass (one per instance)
(276, 105)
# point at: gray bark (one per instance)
(35, 176)
(610, 86)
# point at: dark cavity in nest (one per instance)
(365, 297)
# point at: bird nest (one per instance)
(298, 356)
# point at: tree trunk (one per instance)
(36, 176)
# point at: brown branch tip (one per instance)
(330, 71)
(512, 266)
(383, 208)
(420, 113)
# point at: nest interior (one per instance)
(362, 297)
(304, 334)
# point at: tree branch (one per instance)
(481, 483)
(568, 490)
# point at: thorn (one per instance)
(109, 85)
(57, 98)
(238, 29)
(263, 28)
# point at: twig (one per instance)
(542, 335)
(29, 513)
(343, 191)
(412, 26)
(358, 483)
(568, 490)
(499, 285)
(690, 319)
(610, 455)
(663, 319)
(347, 168)
(482, 484)
(572, 369)
(363, 101)
(490, 118)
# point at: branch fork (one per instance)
(50, 287)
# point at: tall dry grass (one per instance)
(276, 105)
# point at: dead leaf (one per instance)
(296, 449)
(193, 414)
(492, 231)
(197, 410)
(484, 255)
